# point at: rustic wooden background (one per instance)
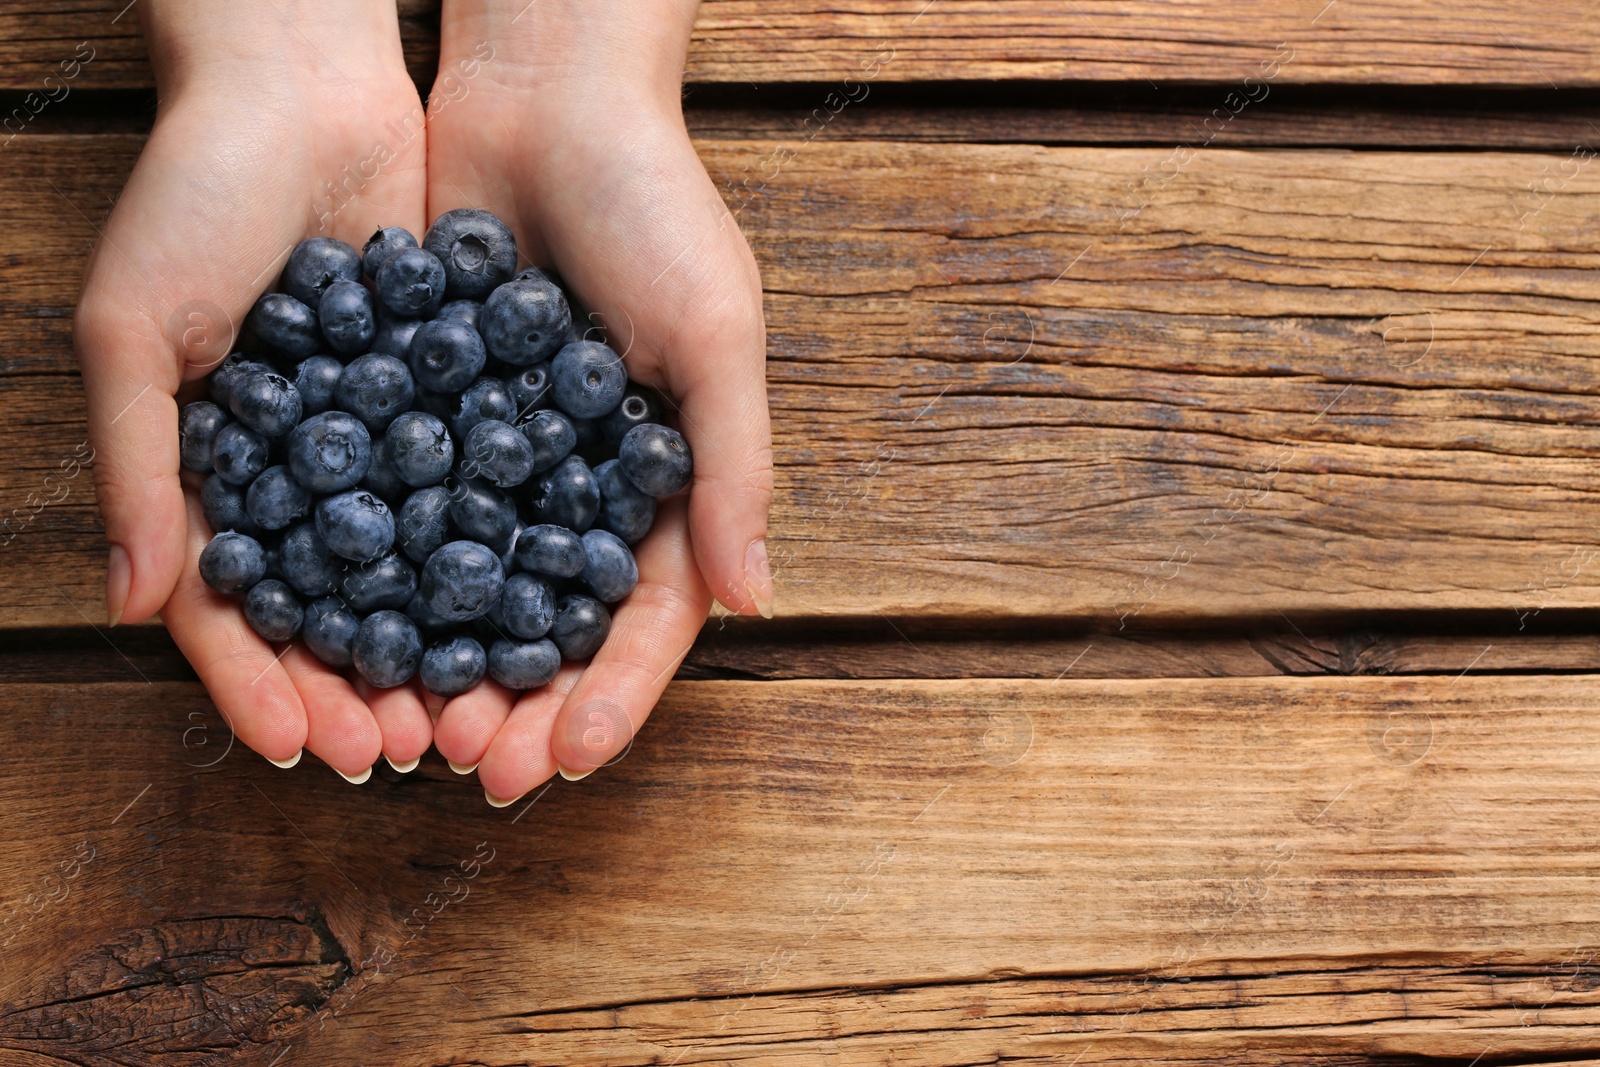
(1185, 560)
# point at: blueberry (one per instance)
(422, 522)
(315, 381)
(588, 379)
(349, 318)
(446, 355)
(554, 551)
(375, 389)
(639, 405)
(227, 372)
(356, 525)
(267, 403)
(467, 311)
(453, 665)
(417, 611)
(329, 452)
(273, 550)
(315, 265)
(461, 581)
(477, 250)
(496, 452)
(198, 425)
(382, 480)
(283, 323)
(656, 459)
(272, 610)
(419, 449)
(567, 495)
(410, 284)
(608, 566)
(525, 322)
(530, 389)
(383, 244)
(238, 454)
(486, 398)
(551, 435)
(624, 510)
(309, 566)
(232, 562)
(527, 606)
(581, 625)
(275, 499)
(329, 630)
(481, 511)
(523, 664)
(386, 582)
(387, 649)
(394, 336)
(223, 505)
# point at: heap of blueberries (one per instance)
(417, 463)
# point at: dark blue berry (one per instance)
(481, 511)
(267, 403)
(417, 611)
(477, 250)
(422, 522)
(283, 323)
(232, 562)
(394, 336)
(530, 389)
(330, 630)
(486, 398)
(656, 459)
(523, 665)
(581, 625)
(551, 436)
(349, 318)
(453, 665)
(198, 425)
(624, 509)
(527, 606)
(375, 389)
(419, 449)
(315, 381)
(588, 379)
(461, 581)
(356, 525)
(525, 321)
(382, 479)
(567, 495)
(553, 551)
(275, 499)
(467, 311)
(639, 405)
(315, 265)
(383, 244)
(329, 452)
(386, 582)
(273, 550)
(238, 454)
(272, 610)
(496, 452)
(227, 372)
(608, 566)
(410, 284)
(309, 566)
(387, 649)
(446, 355)
(223, 505)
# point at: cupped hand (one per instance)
(565, 120)
(276, 123)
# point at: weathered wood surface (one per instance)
(1013, 381)
(910, 872)
(1493, 42)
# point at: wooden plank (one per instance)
(1024, 382)
(1493, 42)
(924, 872)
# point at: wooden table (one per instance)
(1187, 531)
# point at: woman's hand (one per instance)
(570, 128)
(276, 121)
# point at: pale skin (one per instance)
(561, 117)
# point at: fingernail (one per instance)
(404, 768)
(496, 802)
(460, 769)
(286, 763)
(572, 776)
(119, 578)
(358, 779)
(758, 576)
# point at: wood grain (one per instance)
(1493, 42)
(925, 872)
(1020, 382)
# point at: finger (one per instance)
(519, 757)
(239, 669)
(469, 722)
(652, 631)
(340, 729)
(402, 720)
